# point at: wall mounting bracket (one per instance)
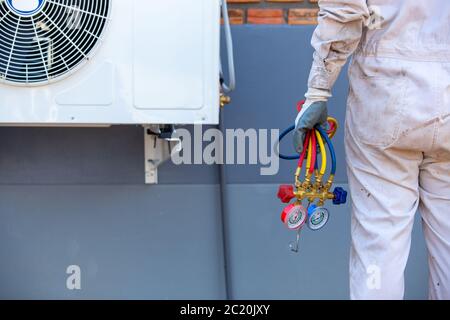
(159, 145)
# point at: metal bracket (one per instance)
(158, 149)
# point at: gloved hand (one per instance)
(312, 113)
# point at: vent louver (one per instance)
(42, 41)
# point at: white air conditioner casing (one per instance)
(156, 62)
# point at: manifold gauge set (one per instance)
(312, 186)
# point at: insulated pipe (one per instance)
(227, 88)
(224, 216)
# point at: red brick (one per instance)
(302, 16)
(243, 1)
(237, 16)
(285, 1)
(265, 16)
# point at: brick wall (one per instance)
(295, 12)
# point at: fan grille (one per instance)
(46, 44)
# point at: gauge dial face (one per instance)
(318, 219)
(295, 217)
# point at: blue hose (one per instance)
(282, 135)
(330, 147)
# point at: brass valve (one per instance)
(224, 100)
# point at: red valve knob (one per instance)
(286, 193)
(300, 105)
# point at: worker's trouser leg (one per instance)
(398, 157)
(387, 186)
(384, 190)
(435, 210)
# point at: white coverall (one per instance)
(397, 133)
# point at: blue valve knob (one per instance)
(340, 196)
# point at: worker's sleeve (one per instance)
(336, 37)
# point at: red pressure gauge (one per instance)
(294, 216)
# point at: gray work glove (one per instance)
(310, 116)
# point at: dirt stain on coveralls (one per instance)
(367, 193)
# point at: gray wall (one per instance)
(76, 196)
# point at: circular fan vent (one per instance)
(42, 41)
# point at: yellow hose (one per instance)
(336, 126)
(323, 151)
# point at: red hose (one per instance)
(332, 128)
(305, 149)
(314, 152)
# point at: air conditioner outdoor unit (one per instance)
(106, 62)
